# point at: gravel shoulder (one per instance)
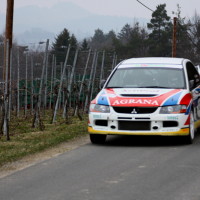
(38, 157)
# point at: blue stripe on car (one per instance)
(188, 109)
(173, 100)
(103, 99)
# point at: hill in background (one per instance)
(33, 23)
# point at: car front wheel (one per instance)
(190, 137)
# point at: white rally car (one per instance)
(147, 96)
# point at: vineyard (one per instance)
(64, 75)
(39, 81)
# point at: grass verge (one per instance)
(26, 140)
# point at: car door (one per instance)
(194, 87)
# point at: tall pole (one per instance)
(43, 73)
(26, 87)
(6, 67)
(32, 84)
(84, 74)
(174, 38)
(52, 80)
(6, 96)
(113, 61)
(37, 120)
(93, 78)
(8, 34)
(90, 80)
(102, 66)
(10, 87)
(18, 100)
(45, 83)
(61, 82)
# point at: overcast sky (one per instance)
(130, 8)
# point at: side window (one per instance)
(193, 74)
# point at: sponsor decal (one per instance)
(172, 118)
(111, 95)
(138, 91)
(171, 129)
(144, 101)
(171, 97)
(97, 116)
(135, 101)
(101, 128)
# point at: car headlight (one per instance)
(99, 108)
(173, 109)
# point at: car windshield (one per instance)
(147, 77)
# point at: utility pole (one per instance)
(8, 34)
(174, 38)
(7, 63)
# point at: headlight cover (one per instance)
(99, 108)
(177, 109)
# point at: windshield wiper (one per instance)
(113, 87)
(153, 86)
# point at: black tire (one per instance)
(97, 138)
(190, 138)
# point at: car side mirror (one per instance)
(191, 84)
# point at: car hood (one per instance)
(142, 97)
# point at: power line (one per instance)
(145, 5)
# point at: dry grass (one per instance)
(26, 140)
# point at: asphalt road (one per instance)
(125, 168)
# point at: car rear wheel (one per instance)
(191, 136)
(97, 138)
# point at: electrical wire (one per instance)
(145, 5)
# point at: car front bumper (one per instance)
(142, 124)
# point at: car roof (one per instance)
(153, 62)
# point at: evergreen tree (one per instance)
(109, 40)
(97, 41)
(160, 37)
(85, 45)
(138, 41)
(61, 44)
(194, 35)
(1, 38)
(74, 45)
(125, 34)
(1, 54)
(132, 41)
(184, 45)
(73, 42)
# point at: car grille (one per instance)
(135, 110)
(134, 125)
(101, 122)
